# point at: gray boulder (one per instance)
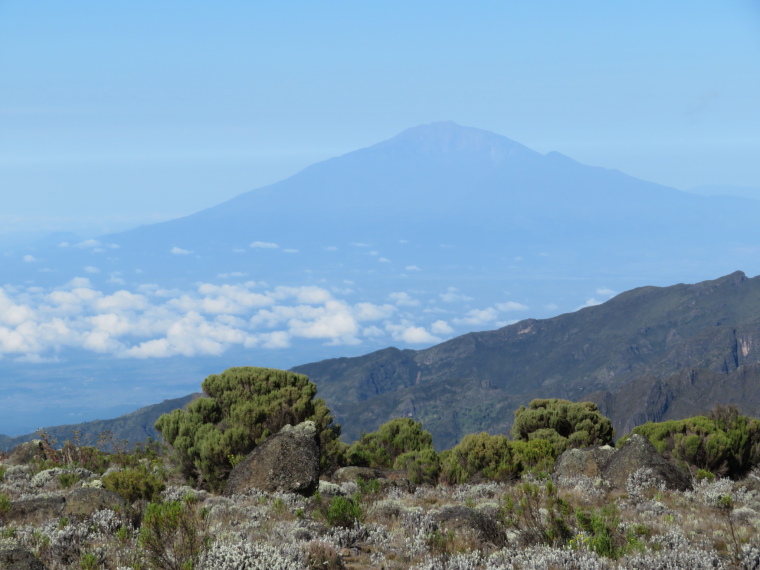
(287, 462)
(589, 462)
(349, 474)
(86, 501)
(37, 510)
(15, 557)
(638, 452)
(459, 518)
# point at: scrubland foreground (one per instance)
(551, 501)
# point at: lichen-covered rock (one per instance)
(287, 462)
(85, 501)
(459, 518)
(15, 557)
(348, 474)
(637, 453)
(588, 462)
(36, 510)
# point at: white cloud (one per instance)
(384, 260)
(410, 334)
(511, 306)
(412, 268)
(441, 327)
(91, 269)
(264, 245)
(453, 296)
(477, 317)
(590, 303)
(29, 259)
(179, 251)
(403, 299)
(605, 291)
(290, 250)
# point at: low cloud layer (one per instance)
(38, 324)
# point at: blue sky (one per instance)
(114, 114)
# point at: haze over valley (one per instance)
(206, 188)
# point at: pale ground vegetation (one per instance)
(532, 523)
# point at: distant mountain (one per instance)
(648, 354)
(440, 230)
(134, 427)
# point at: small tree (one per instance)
(380, 448)
(565, 424)
(479, 457)
(724, 443)
(243, 407)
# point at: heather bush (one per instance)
(479, 457)
(563, 423)
(379, 449)
(724, 443)
(134, 483)
(423, 467)
(243, 407)
(174, 535)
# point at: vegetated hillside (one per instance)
(652, 353)
(133, 428)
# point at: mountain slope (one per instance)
(622, 351)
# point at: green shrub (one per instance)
(5, 506)
(379, 449)
(422, 467)
(66, 480)
(563, 423)
(534, 456)
(723, 443)
(134, 483)
(174, 535)
(538, 512)
(344, 512)
(479, 457)
(243, 407)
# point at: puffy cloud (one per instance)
(511, 306)
(37, 323)
(412, 268)
(408, 333)
(441, 327)
(179, 251)
(403, 299)
(477, 317)
(263, 245)
(29, 259)
(452, 295)
(91, 269)
(605, 291)
(590, 303)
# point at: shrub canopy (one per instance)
(379, 449)
(565, 424)
(723, 443)
(243, 406)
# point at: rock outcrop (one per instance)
(288, 462)
(636, 453)
(15, 557)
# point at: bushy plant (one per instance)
(134, 483)
(538, 512)
(422, 467)
(563, 423)
(379, 449)
(479, 457)
(534, 456)
(174, 535)
(723, 443)
(243, 407)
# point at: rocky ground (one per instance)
(579, 517)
